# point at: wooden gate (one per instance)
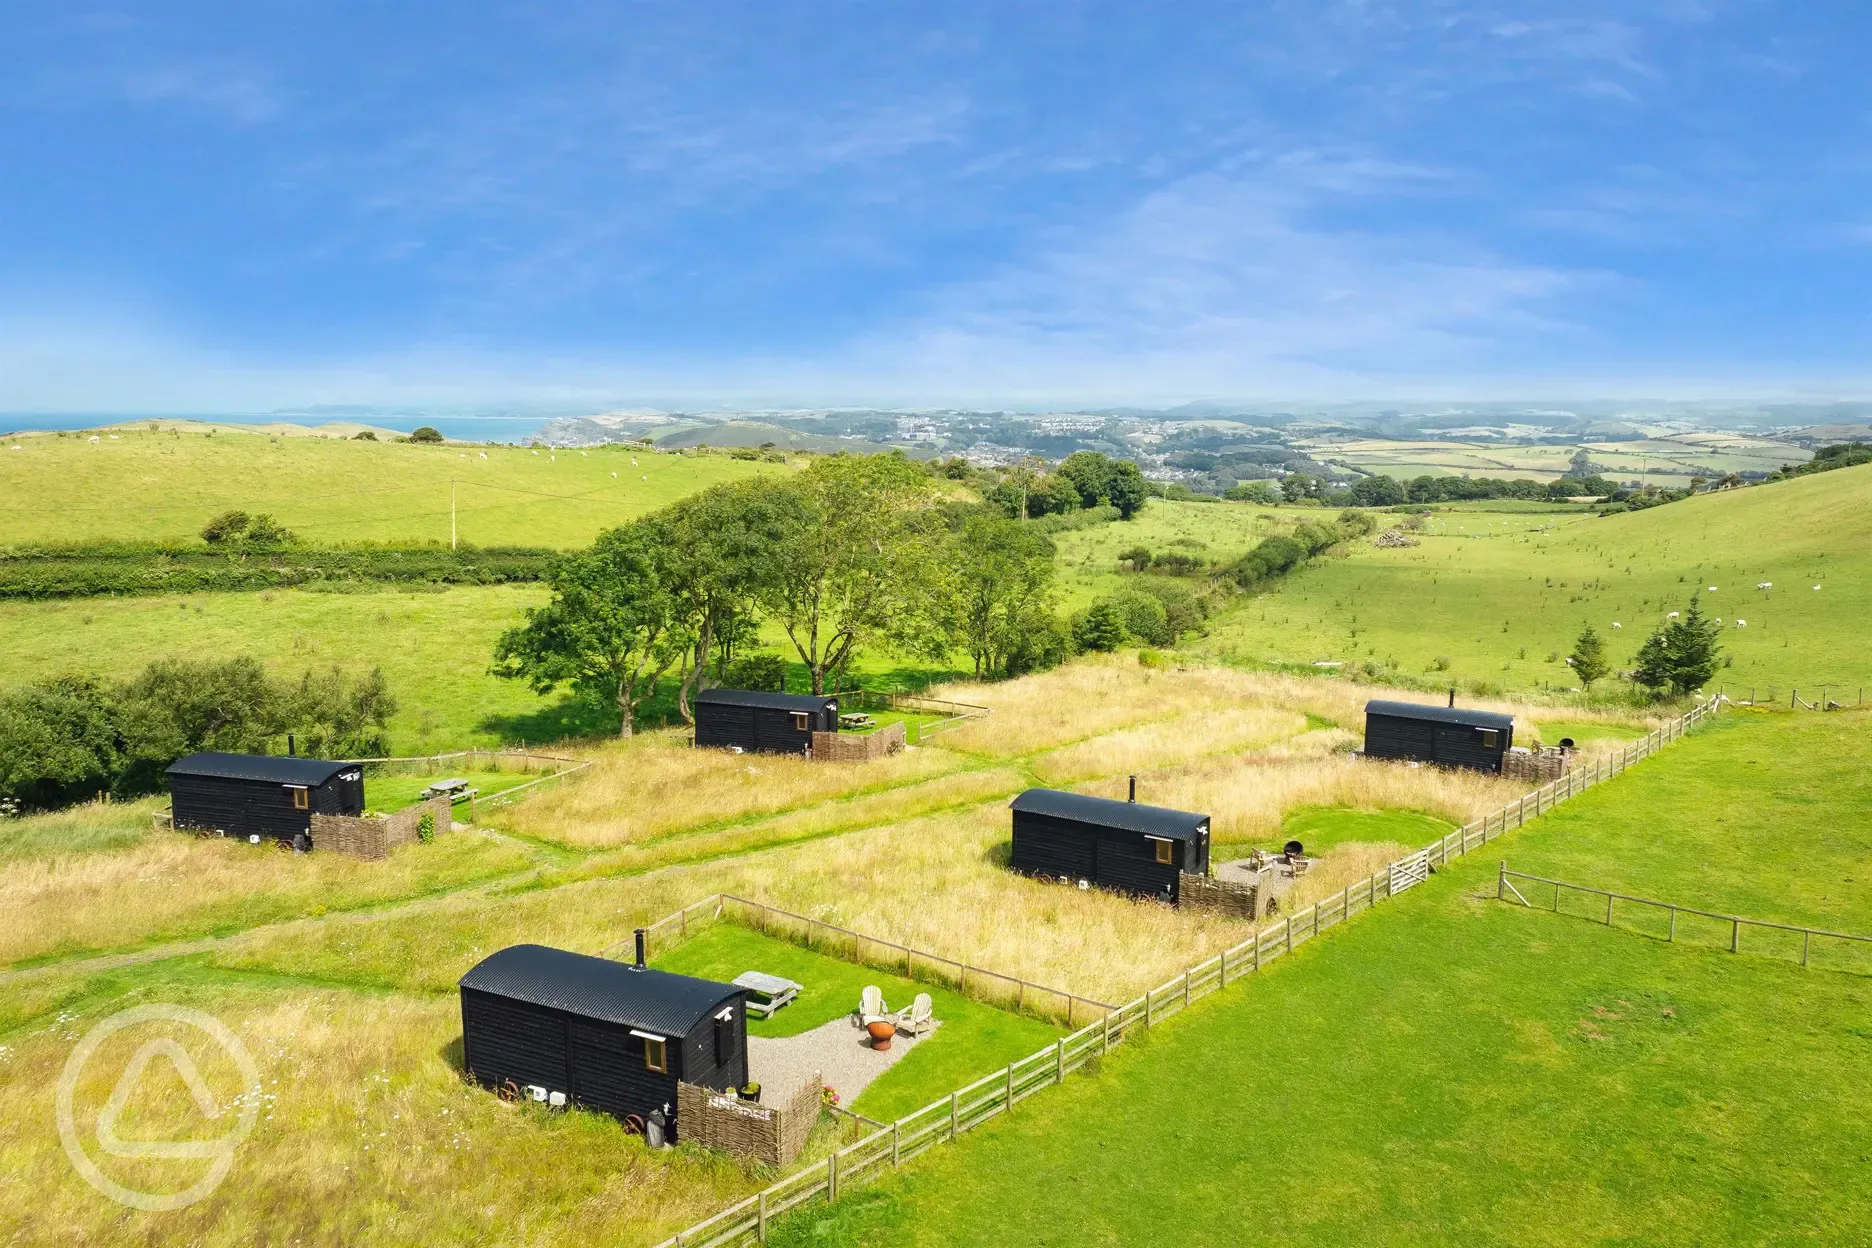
(1409, 872)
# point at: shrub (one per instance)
(425, 827)
(425, 433)
(227, 526)
(365, 435)
(1139, 557)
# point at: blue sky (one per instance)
(256, 205)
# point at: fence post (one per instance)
(1257, 949)
(1608, 909)
(1672, 938)
(1735, 936)
(1289, 933)
(896, 1146)
(1070, 1000)
(831, 1176)
(954, 1117)
(1186, 989)
(1149, 1010)
(1222, 981)
(1059, 1062)
(1105, 1040)
(1806, 940)
(760, 1219)
(1010, 1086)
(1501, 879)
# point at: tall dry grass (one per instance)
(366, 1134)
(656, 784)
(171, 885)
(1248, 798)
(1168, 743)
(1098, 695)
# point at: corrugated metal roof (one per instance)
(615, 992)
(267, 767)
(1176, 825)
(1439, 714)
(767, 701)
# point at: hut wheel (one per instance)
(509, 1091)
(633, 1124)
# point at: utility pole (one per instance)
(451, 513)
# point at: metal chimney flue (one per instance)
(292, 748)
(640, 948)
(1133, 796)
(1452, 697)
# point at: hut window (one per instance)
(656, 1055)
(802, 720)
(1491, 738)
(301, 799)
(1166, 850)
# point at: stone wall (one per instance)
(855, 747)
(1208, 895)
(374, 836)
(774, 1134)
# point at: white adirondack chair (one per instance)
(917, 1019)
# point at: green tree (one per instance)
(853, 561)
(1297, 486)
(264, 530)
(425, 433)
(724, 547)
(1054, 495)
(1126, 489)
(1091, 473)
(1263, 492)
(1101, 628)
(1139, 557)
(178, 706)
(1682, 655)
(1379, 491)
(1588, 657)
(59, 743)
(998, 589)
(334, 716)
(1145, 618)
(611, 629)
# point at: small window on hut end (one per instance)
(1166, 851)
(301, 799)
(656, 1055)
(1491, 738)
(802, 721)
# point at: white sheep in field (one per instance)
(1671, 616)
(483, 454)
(92, 438)
(1616, 624)
(1741, 623)
(614, 476)
(1764, 585)
(1816, 588)
(1710, 590)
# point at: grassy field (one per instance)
(1494, 601)
(1459, 1070)
(350, 968)
(168, 483)
(972, 1038)
(1665, 460)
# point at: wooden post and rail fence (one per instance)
(996, 1094)
(1729, 926)
(557, 766)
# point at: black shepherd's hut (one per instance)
(1449, 736)
(767, 723)
(1124, 846)
(261, 794)
(607, 1035)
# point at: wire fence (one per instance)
(557, 766)
(994, 1095)
(1671, 922)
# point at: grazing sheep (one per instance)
(1671, 616)
(1616, 624)
(1741, 623)
(1764, 585)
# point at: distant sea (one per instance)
(465, 428)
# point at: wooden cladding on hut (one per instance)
(1448, 736)
(249, 794)
(1124, 846)
(766, 723)
(610, 1036)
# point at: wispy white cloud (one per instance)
(237, 93)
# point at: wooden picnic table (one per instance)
(766, 993)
